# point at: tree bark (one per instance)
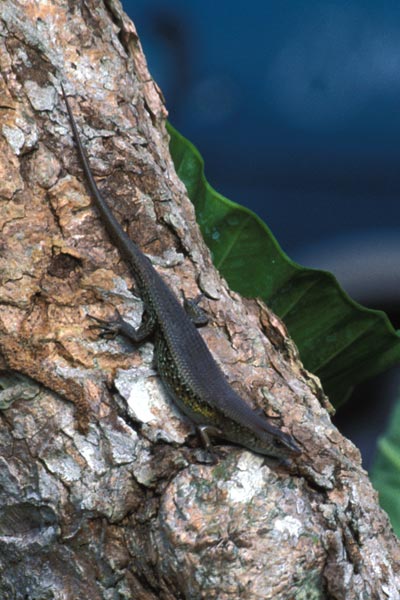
(103, 490)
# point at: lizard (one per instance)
(184, 362)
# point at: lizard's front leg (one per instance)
(118, 326)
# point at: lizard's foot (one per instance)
(204, 432)
(197, 315)
(108, 328)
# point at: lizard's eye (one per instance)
(279, 443)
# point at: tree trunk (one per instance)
(104, 494)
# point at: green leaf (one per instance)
(339, 340)
(385, 472)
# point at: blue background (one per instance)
(295, 108)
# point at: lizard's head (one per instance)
(252, 430)
(273, 442)
(284, 446)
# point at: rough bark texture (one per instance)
(103, 493)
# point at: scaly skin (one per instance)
(184, 362)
